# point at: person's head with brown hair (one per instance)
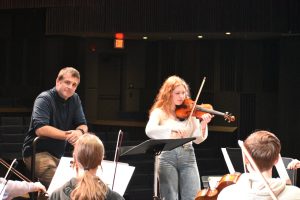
(173, 90)
(67, 82)
(264, 147)
(88, 155)
(71, 70)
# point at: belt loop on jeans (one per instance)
(186, 146)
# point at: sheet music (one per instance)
(282, 170)
(123, 175)
(228, 161)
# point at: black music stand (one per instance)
(155, 147)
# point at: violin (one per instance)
(212, 194)
(184, 110)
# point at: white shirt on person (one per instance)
(250, 186)
(160, 126)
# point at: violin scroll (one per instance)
(229, 117)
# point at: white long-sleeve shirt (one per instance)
(16, 188)
(160, 126)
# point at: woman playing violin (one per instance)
(264, 148)
(178, 171)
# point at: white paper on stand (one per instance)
(228, 161)
(282, 170)
(65, 172)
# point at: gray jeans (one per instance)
(178, 174)
(45, 166)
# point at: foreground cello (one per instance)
(212, 194)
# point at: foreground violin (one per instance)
(184, 110)
(212, 194)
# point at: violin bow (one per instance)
(18, 174)
(6, 175)
(117, 155)
(197, 97)
(253, 164)
(10, 167)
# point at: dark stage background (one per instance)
(252, 73)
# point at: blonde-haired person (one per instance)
(178, 170)
(294, 164)
(88, 155)
(264, 147)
